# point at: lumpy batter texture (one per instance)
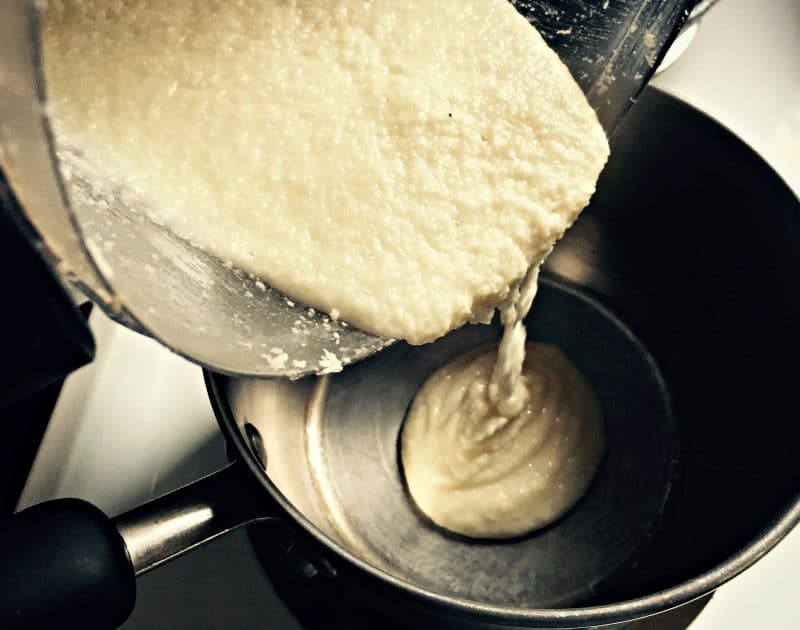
(486, 473)
(401, 162)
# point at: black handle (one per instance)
(64, 564)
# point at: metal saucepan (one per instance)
(150, 280)
(682, 274)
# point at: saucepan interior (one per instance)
(347, 439)
(690, 249)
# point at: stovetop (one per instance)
(137, 423)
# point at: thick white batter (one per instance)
(477, 471)
(400, 162)
(494, 453)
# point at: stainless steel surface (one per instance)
(26, 150)
(166, 528)
(195, 303)
(611, 47)
(700, 9)
(353, 421)
(153, 282)
(686, 36)
(331, 449)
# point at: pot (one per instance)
(155, 283)
(690, 244)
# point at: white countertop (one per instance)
(121, 433)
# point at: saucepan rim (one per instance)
(607, 613)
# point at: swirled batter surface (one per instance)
(486, 473)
